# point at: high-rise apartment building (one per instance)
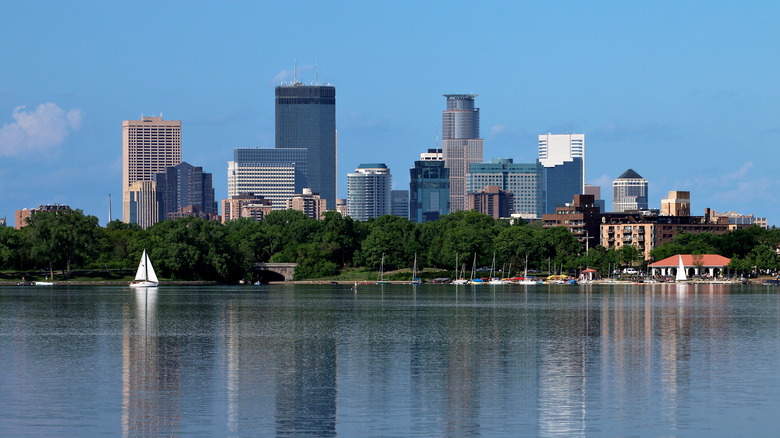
(562, 157)
(310, 203)
(629, 192)
(182, 186)
(522, 180)
(429, 187)
(492, 201)
(368, 191)
(306, 118)
(461, 145)
(23, 214)
(149, 146)
(275, 174)
(245, 206)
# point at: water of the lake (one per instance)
(429, 360)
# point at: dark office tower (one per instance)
(461, 144)
(183, 186)
(562, 157)
(429, 188)
(306, 118)
(399, 203)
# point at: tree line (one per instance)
(195, 249)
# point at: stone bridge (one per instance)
(276, 271)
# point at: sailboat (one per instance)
(494, 280)
(460, 278)
(680, 270)
(415, 280)
(382, 272)
(145, 276)
(473, 269)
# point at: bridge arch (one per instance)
(276, 271)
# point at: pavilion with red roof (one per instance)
(711, 265)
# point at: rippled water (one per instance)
(429, 360)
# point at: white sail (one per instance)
(140, 274)
(145, 275)
(681, 270)
(151, 275)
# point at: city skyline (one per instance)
(687, 99)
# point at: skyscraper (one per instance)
(306, 118)
(149, 146)
(461, 144)
(141, 204)
(399, 203)
(522, 180)
(429, 188)
(562, 157)
(185, 185)
(629, 192)
(275, 174)
(368, 191)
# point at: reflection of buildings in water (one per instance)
(149, 376)
(306, 377)
(563, 373)
(249, 379)
(462, 375)
(652, 328)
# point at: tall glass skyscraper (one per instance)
(461, 145)
(429, 188)
(562, 157)
(306, 118)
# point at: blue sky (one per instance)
(685, 93)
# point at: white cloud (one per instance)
(497, 129)
(42, 129)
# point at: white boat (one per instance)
(415, 280)
(145, 276)
(680, 271)
(460, 278)
(43, 283)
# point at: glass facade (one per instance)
(275, 174)
(306, 118)
(560, 183)
(182, 186)
(429, 191)
(522, 180)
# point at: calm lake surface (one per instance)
(391, 360)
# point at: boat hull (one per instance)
(144, 284)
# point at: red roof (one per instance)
(589, 270)
(709, 260)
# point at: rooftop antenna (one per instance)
(437, 138)
(295, 71)
(316, 71)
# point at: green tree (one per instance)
(62, 239)
(10, 246)
(391, 236)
